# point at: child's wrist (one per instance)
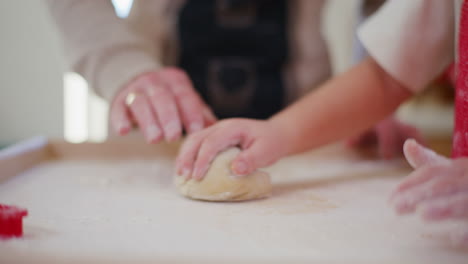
(286, 135)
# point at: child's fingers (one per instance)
(217, 141)
(417, 155)
(188, 153)
(252, 158)
(418, 177)
(454, 206)
(436, 182)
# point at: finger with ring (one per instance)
(130, 98)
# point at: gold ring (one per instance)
(130, 98)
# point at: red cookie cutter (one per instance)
(11, 221)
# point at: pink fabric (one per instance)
(460, 137)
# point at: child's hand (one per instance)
(437, 189)
(260, 141)
(388, 135)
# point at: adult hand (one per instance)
(162, 104)
(388, 136)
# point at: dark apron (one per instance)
(234, 51)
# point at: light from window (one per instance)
(122, 7)
(85, 115)
(75, 107)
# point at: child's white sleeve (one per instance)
(413, 40)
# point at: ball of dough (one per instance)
(220, 184)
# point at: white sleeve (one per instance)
(99, 46)
(412, 40)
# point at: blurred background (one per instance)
(39, 96)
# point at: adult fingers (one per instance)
(208, 116)
(164, 106)
(189, 103)
(119, 118)
(143, 114)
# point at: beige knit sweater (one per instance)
(109, 52)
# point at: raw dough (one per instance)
(220, 184)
